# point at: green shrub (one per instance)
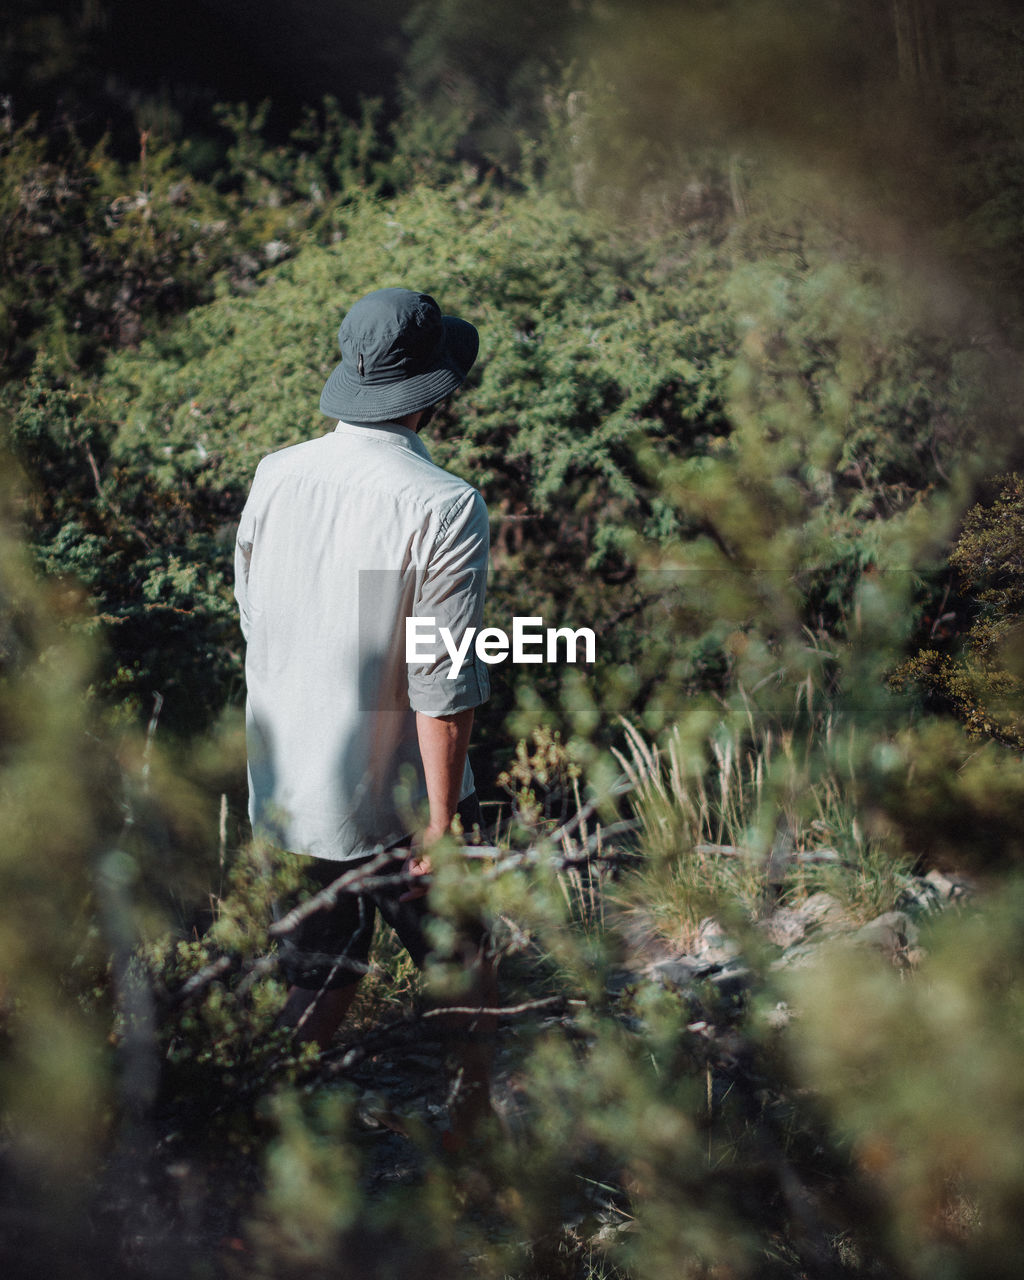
(983, 683)
(645, 413)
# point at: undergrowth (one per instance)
(745, 826)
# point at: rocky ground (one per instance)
(795, 932)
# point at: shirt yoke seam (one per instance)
(431, 504)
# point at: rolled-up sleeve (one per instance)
(451, 590)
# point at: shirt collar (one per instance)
(392, 433)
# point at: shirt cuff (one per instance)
(436, 695)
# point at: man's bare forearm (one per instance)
(443, 742)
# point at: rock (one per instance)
(785, 926)
(612, 1231)
(643, 943)
(951, 888)
(798, 956)
(732, 980)
(713, 945)
(826, 911)
(942, 885)
(677, 974)
(892, 933)
(920, 895)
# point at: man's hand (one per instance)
(418, 865)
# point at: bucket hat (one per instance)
(398, 354)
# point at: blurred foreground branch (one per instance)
(367, 877)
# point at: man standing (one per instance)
(341, 540)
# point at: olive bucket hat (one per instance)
(398, 354)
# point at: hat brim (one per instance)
(347, 397)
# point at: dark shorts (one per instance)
(330, 948)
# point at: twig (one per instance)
(621, 787)
(154, 720)
(256, 969)
(742, 851)
(586, 853)
(357, 881)
(199, 981)
(395, 1033)
(91, 459)
(509, 1010)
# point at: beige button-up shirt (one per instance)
(342, 538)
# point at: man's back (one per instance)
(341, 539)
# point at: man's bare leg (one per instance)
(316, 1015)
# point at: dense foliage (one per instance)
(679, 397)
(747, 404)
(980, 681)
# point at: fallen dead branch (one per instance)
(395, 1034)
